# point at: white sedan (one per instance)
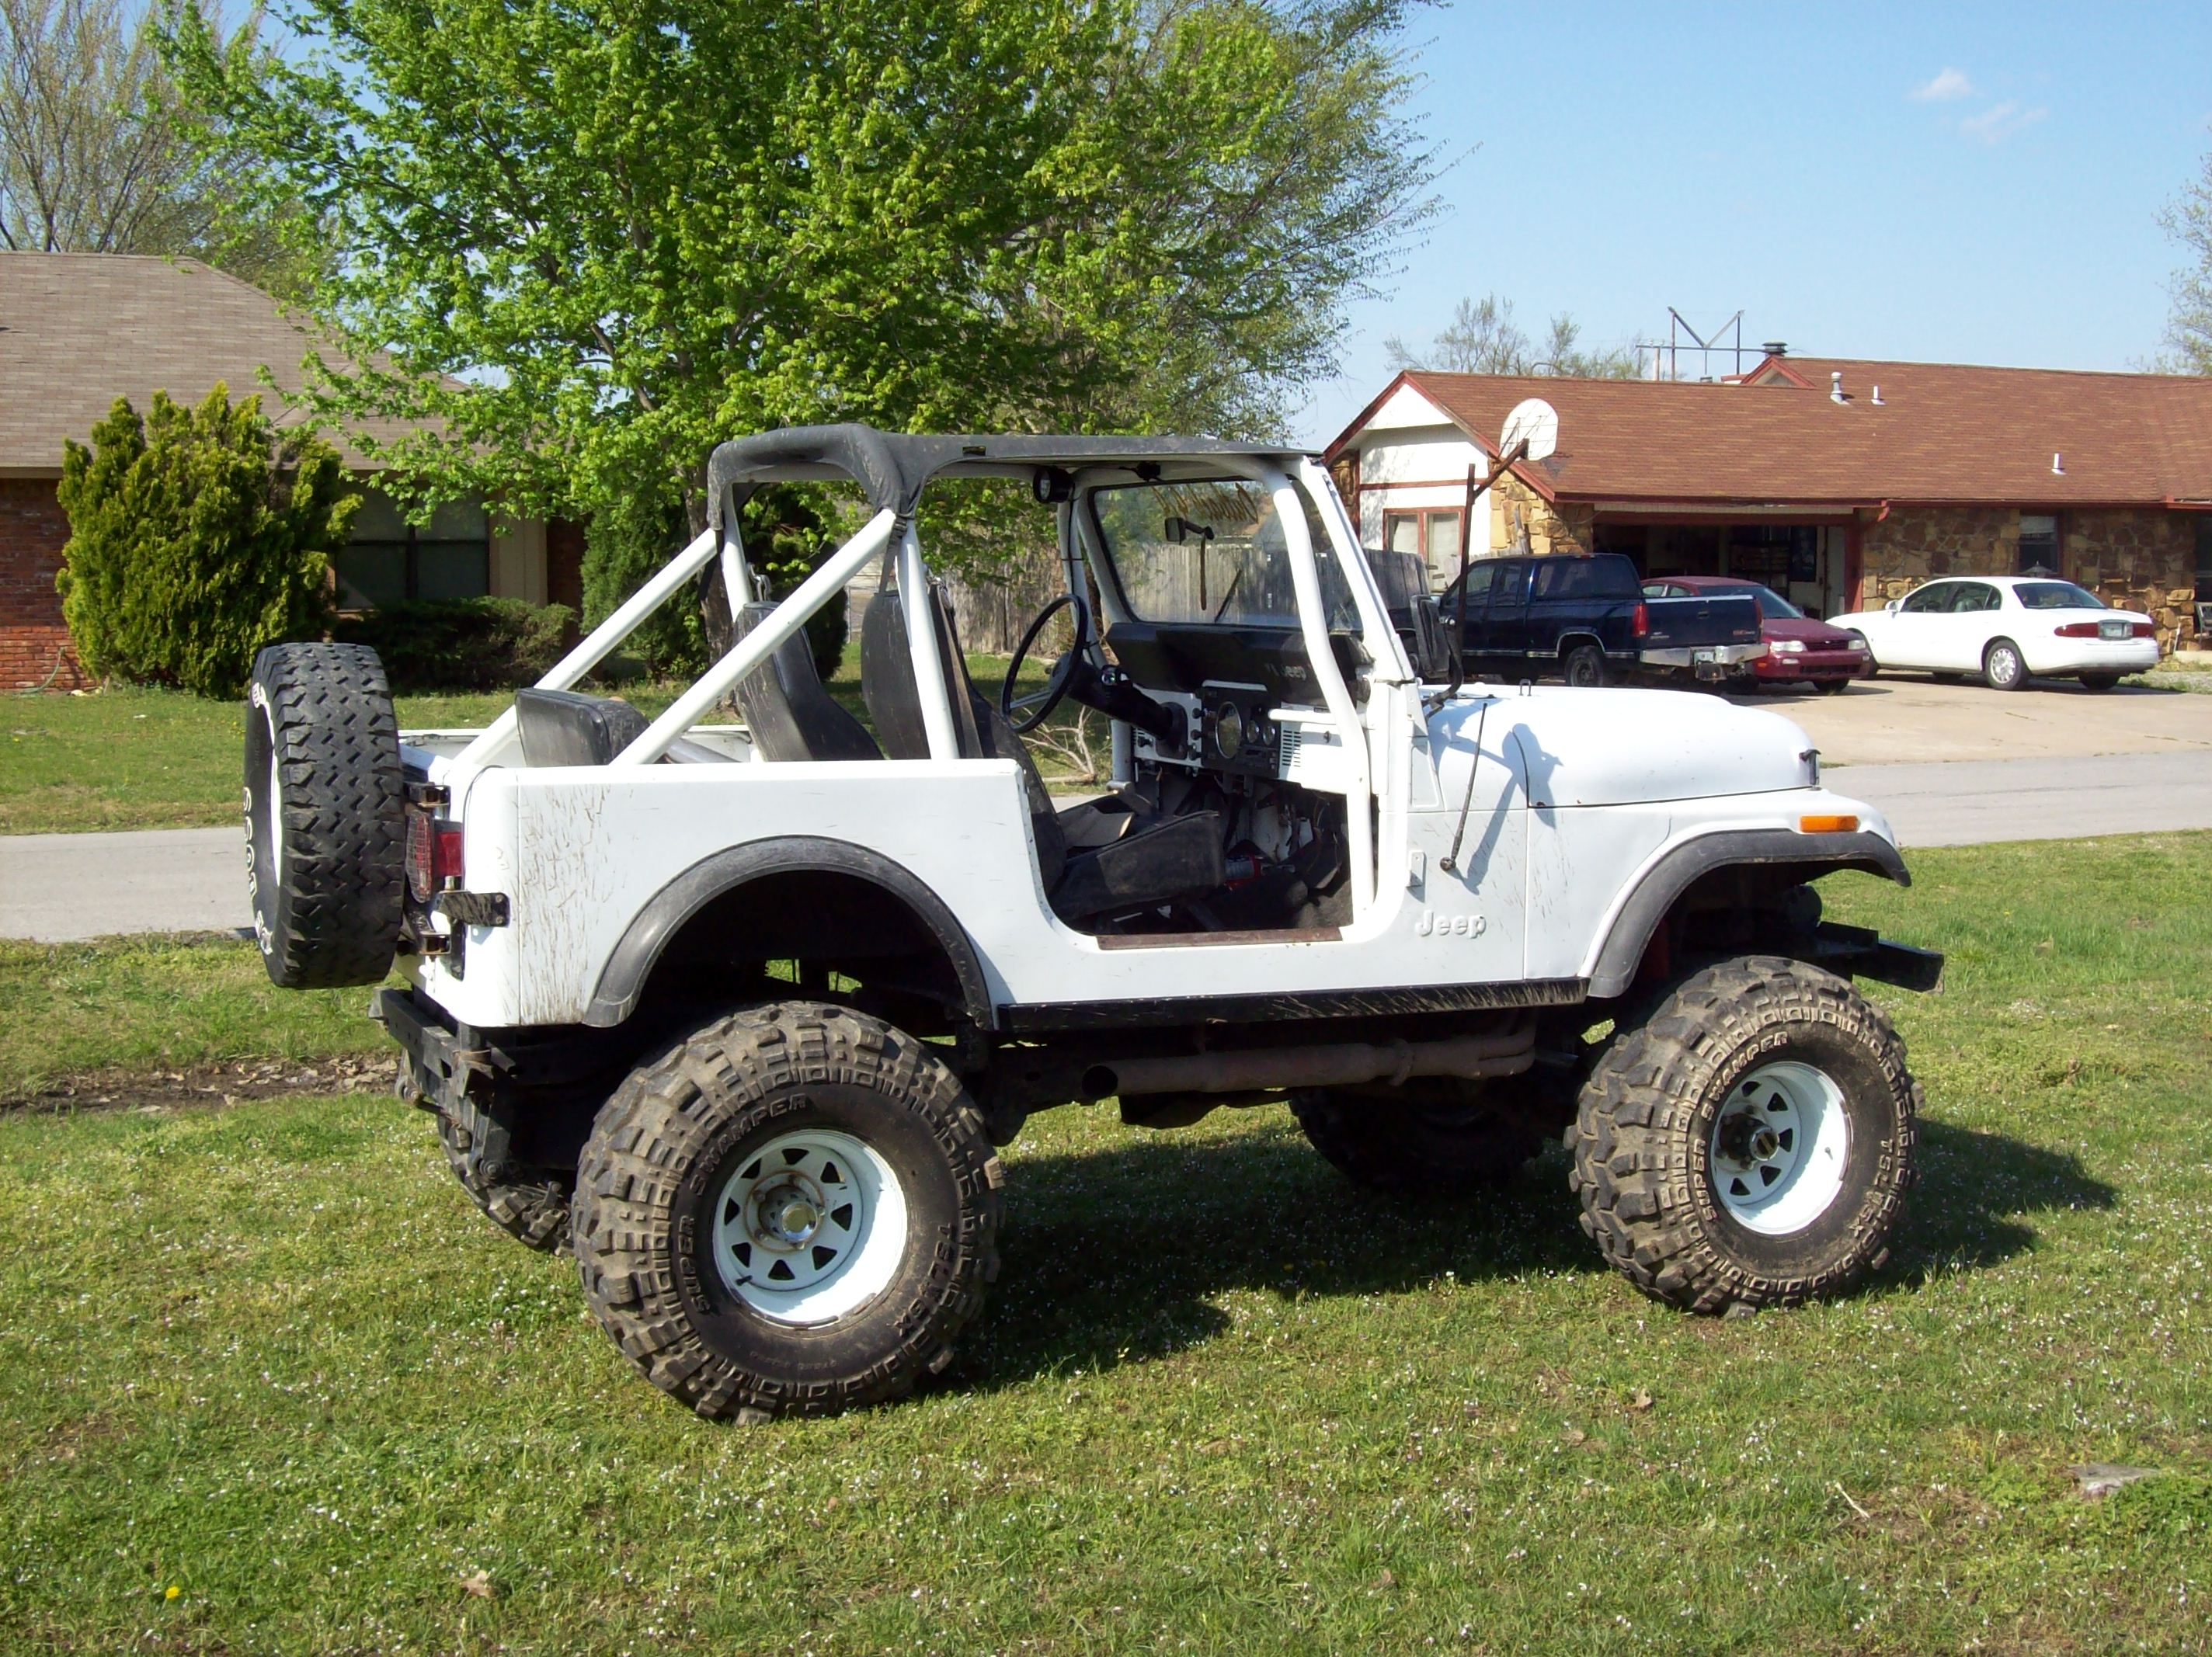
(2007, 628)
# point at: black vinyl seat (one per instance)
(568, 727)
(1096, 858)
(789, 711)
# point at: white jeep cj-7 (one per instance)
(739, 1012)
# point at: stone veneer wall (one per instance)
(34, 529)
(2136, 558)
(1515, 509)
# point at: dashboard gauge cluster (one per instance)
(1235, 731)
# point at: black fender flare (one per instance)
(621, 980)
(1666, 880)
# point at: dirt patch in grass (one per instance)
(124, 1088)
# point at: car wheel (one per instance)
(2004, 667)
(1751, 1142)
(1585, 665)
(2099, 681)
(793, 1213)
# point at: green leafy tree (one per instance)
(1484, 339)
(2188, 221)
(581, 242)
(195, 538)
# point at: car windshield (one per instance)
(1776, 608)
(1212, 553)
(2057, 595)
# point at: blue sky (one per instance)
(1935, 182)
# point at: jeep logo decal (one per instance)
(1432, 925)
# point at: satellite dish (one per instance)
(1534, 420)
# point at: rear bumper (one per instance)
(1707, 660)
(2063, 656)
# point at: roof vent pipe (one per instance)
(1836, 386)
(2058, 466)
(1776, 347)
(1877, 397)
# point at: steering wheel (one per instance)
(1027, 712)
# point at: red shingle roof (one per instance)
(1942, 432)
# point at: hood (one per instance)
(1610, 747)
(1816, 635)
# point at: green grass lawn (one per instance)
(127, 758)
(268, 1383)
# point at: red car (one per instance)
(1799, 650)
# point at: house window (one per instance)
(1433, 532)
(2204, 559)
(2038, 544)
(389, 560)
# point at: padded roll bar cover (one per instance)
(1673, 874)
(567, 727)
(788, 711)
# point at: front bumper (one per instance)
(1861, 952)
(1792, 666)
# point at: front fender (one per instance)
(1638, 918)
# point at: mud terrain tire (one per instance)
(326, 825)
(721, 1161)
(1431, 1138)
(1669, 1181)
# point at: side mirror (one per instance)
(1183, 531)
(1890, 608)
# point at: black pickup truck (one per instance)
(1587, 620)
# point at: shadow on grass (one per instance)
(1112, 1257)
(1975, 1187)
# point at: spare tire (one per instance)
(325, 815)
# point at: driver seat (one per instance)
(1136, 868)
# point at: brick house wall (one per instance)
(34, 529)
(2134, 558)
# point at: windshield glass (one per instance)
(1212, 553)
(1772, 605)
(2057, 595)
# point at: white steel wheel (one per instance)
(1779, 1149)
(810, 1227)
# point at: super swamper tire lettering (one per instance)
(1749, 1144)
(794, 1212)
(324, 807)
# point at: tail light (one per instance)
(2078, 630)
(433, 855)
(1639, 621)
(2146, 629)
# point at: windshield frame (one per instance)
(1340, 586)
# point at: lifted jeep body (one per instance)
(745, 1007)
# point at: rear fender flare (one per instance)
(622, 979)
(1638, 918)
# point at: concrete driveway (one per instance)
(1893, 720)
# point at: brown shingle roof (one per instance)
(77, 331)
(1942, 432)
